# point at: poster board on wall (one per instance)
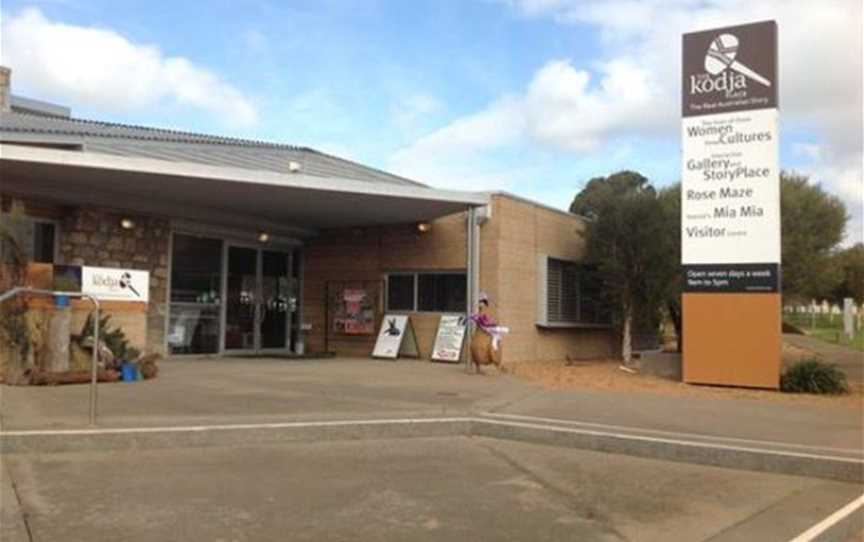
(396, 338)
(450, 339)
(354, 311)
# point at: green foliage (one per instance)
(115, 339)
(850, 263)
(812, 224)
(14, 330)
(628, 238)
(670, 205)
(601, 190)
(814, 376)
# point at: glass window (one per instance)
(441, 292)
(400, 292)
(196, 284)
(194, 329)
(435, 292)
(196, 269)
(44, 239)
(574, 294)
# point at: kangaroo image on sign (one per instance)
(396, 337)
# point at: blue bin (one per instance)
(128, 371)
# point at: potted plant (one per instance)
(123, 357)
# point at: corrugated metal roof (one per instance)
(142, 141)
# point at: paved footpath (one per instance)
(262, 391)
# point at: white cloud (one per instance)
(631, 90)
(840, 174)
(102, 69)
(560, 109)
(410, 113)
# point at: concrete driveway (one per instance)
(417, 489)
(318, 459)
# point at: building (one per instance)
(255, 248)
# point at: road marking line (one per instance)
(670, 433)
(830, 521)
(407, 421)
(222, 427)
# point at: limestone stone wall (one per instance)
(94, 237)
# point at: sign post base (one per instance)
(732, 339)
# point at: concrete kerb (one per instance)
(686, 451)
(47, 441)
(696, 449)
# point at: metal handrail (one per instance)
(95, 359)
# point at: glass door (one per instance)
(276, 299)
(241, 299)
(259, 300)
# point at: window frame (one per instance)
(54, 222)
(543, 319)
(416, 275)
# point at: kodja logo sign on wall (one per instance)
(115, 284)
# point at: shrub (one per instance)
(814, 376)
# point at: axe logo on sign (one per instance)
(123, 282)
(720, 65)
(729, 69)
(115, 284)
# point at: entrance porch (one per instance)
(228, 249)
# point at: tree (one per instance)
(850, 263)
(601, 190)
(627, 239)
(670, 205)
(812, 224)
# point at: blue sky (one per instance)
(530, 96)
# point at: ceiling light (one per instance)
(127, 223)
(263, 237)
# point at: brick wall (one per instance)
(509, 244)
(520, 231)
(366, 254)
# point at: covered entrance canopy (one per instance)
(294, 203)
(224, 291)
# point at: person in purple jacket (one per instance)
(486, 324)
(481, 317)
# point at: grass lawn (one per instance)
(827, 329)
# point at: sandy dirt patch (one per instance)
(606, 375)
